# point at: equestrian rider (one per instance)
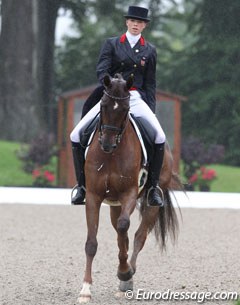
(130, 55)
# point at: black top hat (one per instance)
(137, 12)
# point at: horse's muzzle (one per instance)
(108, 148)
(108, 143)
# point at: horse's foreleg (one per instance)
(149, 217)
(121, 224)
(92, 214)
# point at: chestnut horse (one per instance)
(112, 168)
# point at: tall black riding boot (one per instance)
(155, 195)
(78, 159)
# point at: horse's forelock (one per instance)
(118, 76)
(118, 87)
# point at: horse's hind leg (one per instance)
(149, 218)
(92, 214)
(120, 222)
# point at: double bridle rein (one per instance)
(118, 130)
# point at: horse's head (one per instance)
(114, 111)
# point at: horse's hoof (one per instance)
(84, 299)
(126, 285)
(85, 294)
(133, 268)
(125, 276)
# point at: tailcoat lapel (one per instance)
(133, 53)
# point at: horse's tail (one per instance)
(166, 223)
(176, 183)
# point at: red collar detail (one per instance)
(124, 37)
(142, 41)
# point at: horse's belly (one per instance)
(112, 203)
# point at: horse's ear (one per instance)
(129, 82)
(107, 80)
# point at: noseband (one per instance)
(120, 130)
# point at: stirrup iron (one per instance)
(162, 195)
(75, 187)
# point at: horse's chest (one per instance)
(111, 175)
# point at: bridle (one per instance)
(116, 97)
(118, 130)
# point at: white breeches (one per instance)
(137, 106)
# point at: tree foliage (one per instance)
(206, 71)
(27, 36)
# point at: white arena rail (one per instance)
(58, 196)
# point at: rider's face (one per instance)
(135, 26)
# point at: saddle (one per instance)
(147, 134)
(143, 130)
(86, 133)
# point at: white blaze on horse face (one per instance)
(115, 106)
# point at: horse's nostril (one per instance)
(106, 148)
